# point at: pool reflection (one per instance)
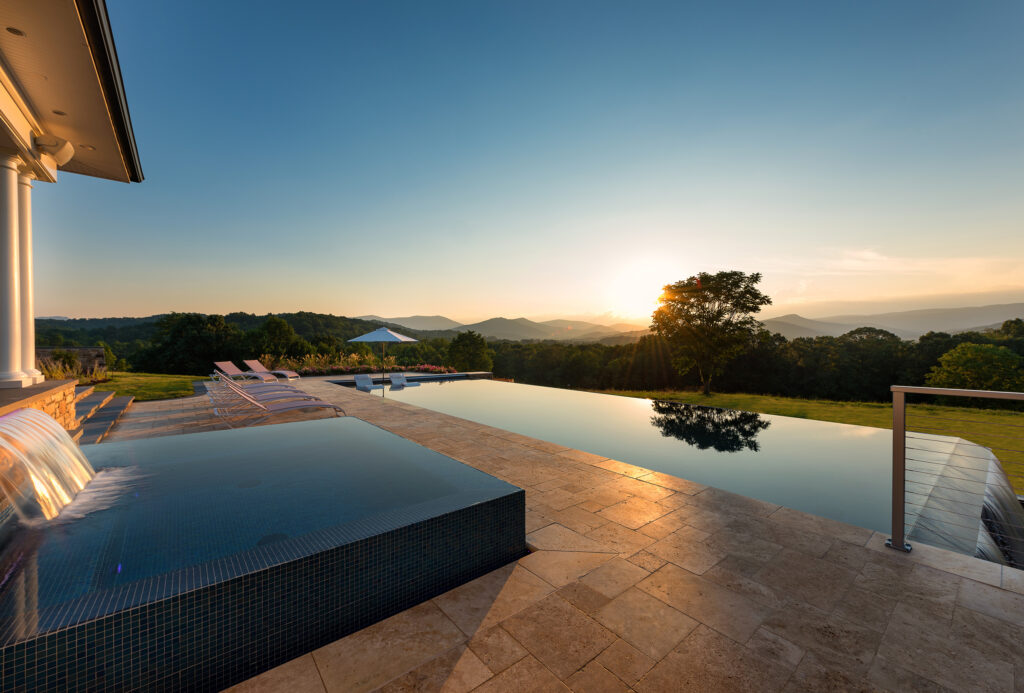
(724, 430)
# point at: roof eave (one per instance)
(96, 23)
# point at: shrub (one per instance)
(64, 369)
(343, 364)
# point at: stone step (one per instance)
(102, 421)
(89, 405)
(82, 391)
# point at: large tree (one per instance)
(708, 319)
(468, 352)
(978, 367)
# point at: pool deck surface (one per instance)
(641, 581)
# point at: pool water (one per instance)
(197, 561)
(183, 501)
(828, 469)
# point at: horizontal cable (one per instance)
(973, 457)
(1015, 436)
(951, 478)
(961, 442)
(972, 528)
(974, 421)
(932, 485)
(946, 470)
(933, 477)
(969, 457)
(947, 529)
(980, 465)
(965, 515)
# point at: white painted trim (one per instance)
(28, 316)
(11, 374)
(22, 126)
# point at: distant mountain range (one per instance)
(909, 324)
(516, 328)
(418, 322)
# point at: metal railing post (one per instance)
(899, 471)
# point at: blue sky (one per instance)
(550, 158)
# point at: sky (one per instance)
(535, 158)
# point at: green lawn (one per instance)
(989, 427)
(150, 386)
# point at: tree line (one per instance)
(859, 365)
(189, 343)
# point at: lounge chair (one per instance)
(243, 405)
(234, 371)
(251, 386)
(257, 367)
(364, 383)
(263, 390)
(398, 380)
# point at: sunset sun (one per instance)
(633, 291)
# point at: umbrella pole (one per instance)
(383, 352)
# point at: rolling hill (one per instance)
(418, 322)
(512, 328)
(909, 324)
(918, 322)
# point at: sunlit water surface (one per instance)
(828, 469)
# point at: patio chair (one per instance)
(400, 381)
(257, 367)
(234, 371)
(364, 383)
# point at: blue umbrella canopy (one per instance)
(382, 334)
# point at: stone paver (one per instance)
(643, 581)
(559, 635)
(648, 624)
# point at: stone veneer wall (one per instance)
(53, 397)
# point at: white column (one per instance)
(28, 315)
(11, 374)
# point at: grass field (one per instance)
(1001, 430)
(149, 386)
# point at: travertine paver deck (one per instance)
(642, 581)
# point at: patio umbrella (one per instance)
(382, 335)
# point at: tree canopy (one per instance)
(978, 367)
(708, 319)
(468, 352)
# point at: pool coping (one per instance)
(562, 487)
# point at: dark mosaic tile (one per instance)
(210, 626)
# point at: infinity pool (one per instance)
(828, 469)
(194, 562)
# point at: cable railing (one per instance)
(955, 475)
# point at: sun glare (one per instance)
(633, 292)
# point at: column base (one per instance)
(18, 381)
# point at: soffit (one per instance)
(53, 70)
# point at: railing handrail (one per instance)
(899, 441)
(951, 392)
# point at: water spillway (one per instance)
(960, 498)
(41, 467)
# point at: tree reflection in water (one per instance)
(725, 430)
